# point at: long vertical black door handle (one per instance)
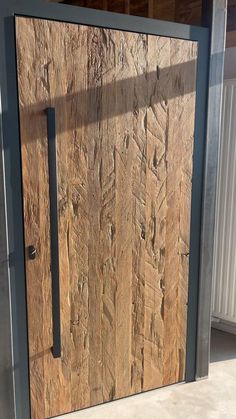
(54, 231)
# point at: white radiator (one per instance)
(224, 284)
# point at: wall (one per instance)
(224, 289)
(224, 286)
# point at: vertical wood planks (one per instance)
(157, 133)
(181, 121)
(94, 145)
(139, 140)
(125, 119)
(124, 163)
(108, 222)
(77, 225)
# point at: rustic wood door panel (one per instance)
(125, 105)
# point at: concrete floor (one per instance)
(214, 398)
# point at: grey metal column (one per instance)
(6, 362)
(13, 320)
(218, 34)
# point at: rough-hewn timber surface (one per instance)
(125, 121)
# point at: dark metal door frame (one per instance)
(12, 249)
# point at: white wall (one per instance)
(224, 287)
(224, 284)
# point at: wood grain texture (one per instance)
(125, 121)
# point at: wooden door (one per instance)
(125, 106)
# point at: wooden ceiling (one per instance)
(231, 24)
(188, 11)
(181, 11)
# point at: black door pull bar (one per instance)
(54, 231)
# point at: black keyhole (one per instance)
(32, 252)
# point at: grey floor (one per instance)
(214, 398)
